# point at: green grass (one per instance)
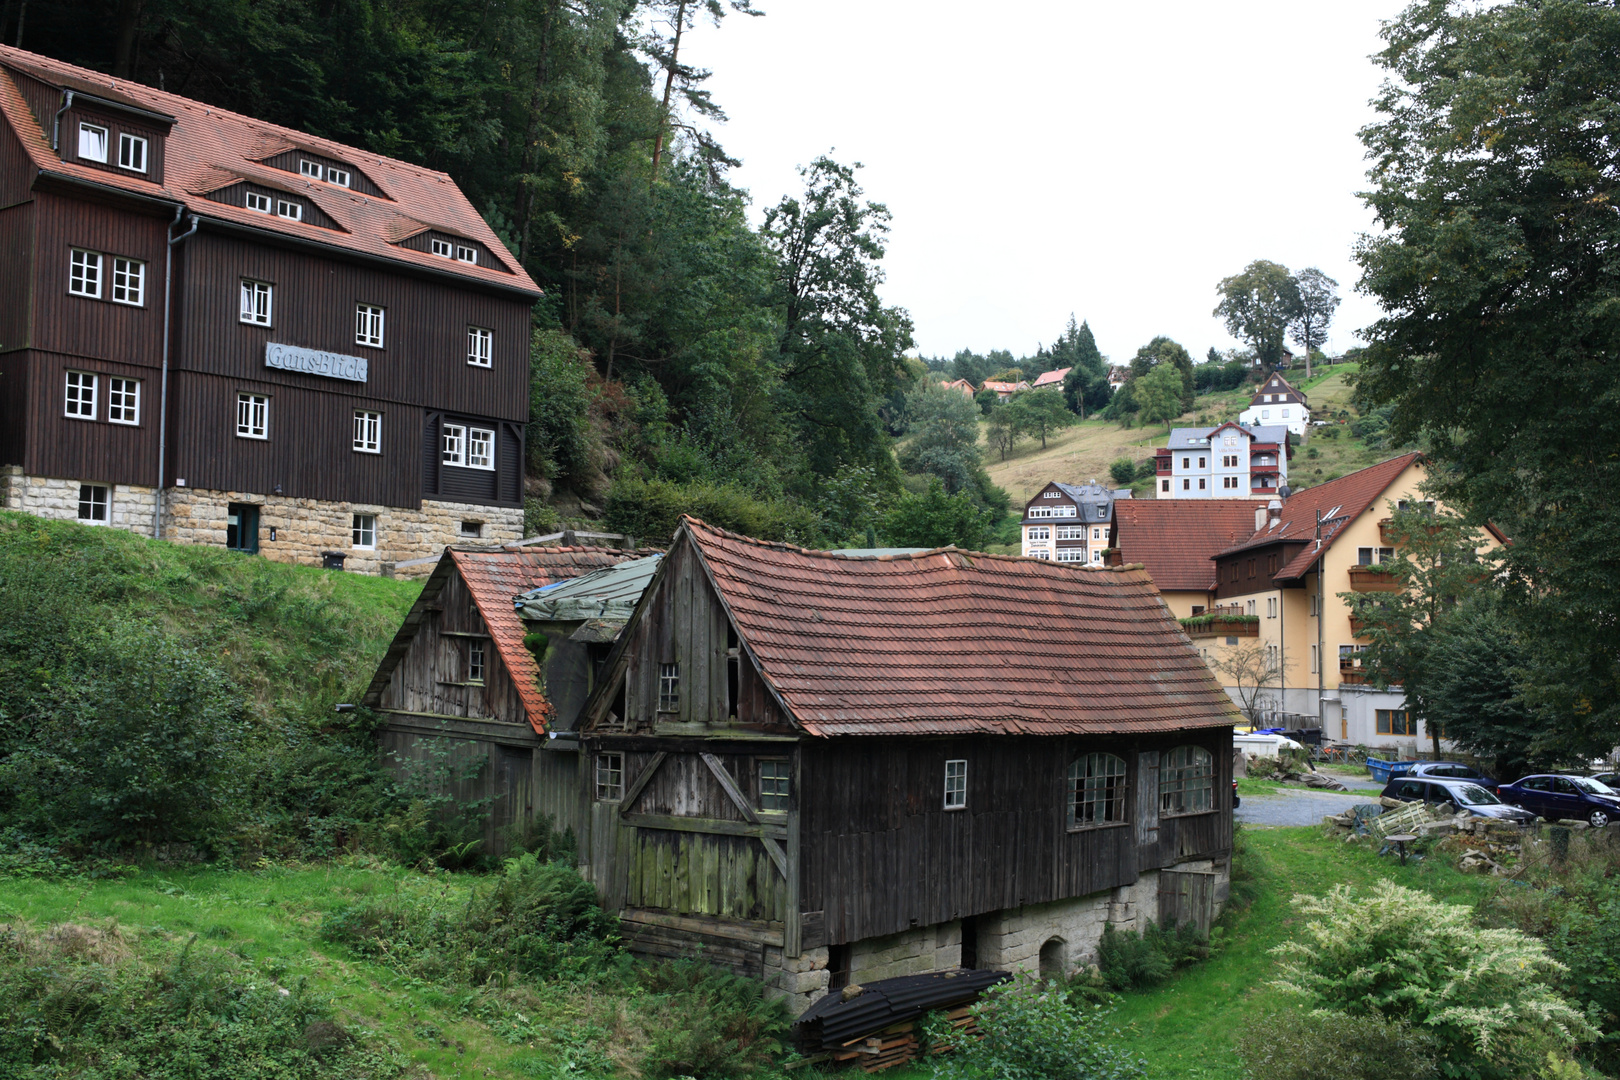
(295, 638)
(1249, 785)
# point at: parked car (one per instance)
(1578, 798)
(1461, 794)
(1454, 770)
(1608, 779)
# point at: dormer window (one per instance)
(340, 177)
(256, 201)
(466, 254)
(442, 248)
(132, 153)
(290, 210)
(312, 169)
(92, 143)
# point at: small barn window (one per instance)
(258, 201)
(610, 776)
(93, 502)
(775, 785)
(669, 687)
(475, 661)
(1096, 791)
(956, 784)
(1187, 781)
(365, 531)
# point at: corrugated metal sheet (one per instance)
(611, 592)
(953, 642)
(832, 1021)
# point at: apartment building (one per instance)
(1070, 522)
(1229, 461)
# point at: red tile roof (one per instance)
(1341, 501)
(1050, 378)
(1176, 539)
(954, 642)
(210, 148)
(493, 577)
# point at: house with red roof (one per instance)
(1052, 380)
(1004, 390)
(466, 681)
(821, 768)
(1278, 403)
(223, 331)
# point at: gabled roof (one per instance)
(209, 148)
(1095, 502)
(1050, 378)
(1004, 387)
(610, 593)
(1187, 438)
(1340, 501)
(1176, 539)
(1276, 384)
(494, 576)
(954, 642)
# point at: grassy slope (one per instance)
(269, 918)
(296, 638)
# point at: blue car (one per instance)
(1555, 797)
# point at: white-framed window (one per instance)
(94, 502)
(775, 784)
(253, 416)
(312, 169)
(480, 448)
(956, 784)
(260, 202)
(466, 254)
(132, 153)
(1051, 494)
(480, 346)
(1096, 791)
(1316, 605)
(368, 325)
(475, 661)
(1096, 556)
(365, 531)
(1285, 414)
(1273, 655)
(290, 210)
(84, 273)
(1071, 532)
(256, 302)
(81, 395)
(1265, 414)
(1250, 609)
(367, 431)
(610, 776)
(1368, 556)
(93, 143)
(340, 177)
(1096, 533)
(1071, 554)
(453, 444)
(1040, 532)
(1040, 553)
(1271, 607)
(128, 281)
(669, 687)
(1041, 511)
(1187, 781)
(123, 400)
(442, 248)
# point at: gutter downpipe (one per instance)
(1321, 614)
(163, 395)
(56, 121)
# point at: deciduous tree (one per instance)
(1251, 668)
(1318, 300)
(1257, 305)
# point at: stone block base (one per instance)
(302, 528)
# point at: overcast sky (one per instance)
(1047, 156)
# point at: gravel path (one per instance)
(1300, 806)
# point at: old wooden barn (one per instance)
(817, 768)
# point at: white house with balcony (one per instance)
(1278, 404)
(1230, 461)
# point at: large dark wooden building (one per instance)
(818, 768)
(224, 331)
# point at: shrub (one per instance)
(1132, 961)
(1297, 1045)
(1122, 471)
(709, 1022)
(935, 519)
(651, 510)
(1028, 1030)
(535, 919)
(1399, 954)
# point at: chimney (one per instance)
(1274, 511)
(1259, 518)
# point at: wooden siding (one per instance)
(236, 195)
(423, 241)
(498, 773)
(502, 484)
(424, 358)
(358, 180)
(116, 123)
(310, 450)
(89, 450)
(430, 677)
(98, 329)
(16, 169)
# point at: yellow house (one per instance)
(1273, 596)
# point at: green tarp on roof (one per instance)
(609, 593)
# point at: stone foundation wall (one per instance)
(130, 506)
(303, 527)
(799, 980)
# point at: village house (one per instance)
(1069, 522)
(818, 768)
(962, 386)
(1228, 461)
(1273, 589)
(1004, 390)
(1051, 380)
(1277, 403)
(223, 331)
(463, 685)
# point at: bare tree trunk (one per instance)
(669, 88)
(22, 15)
(129, 18)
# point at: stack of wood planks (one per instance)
(897, 1044)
